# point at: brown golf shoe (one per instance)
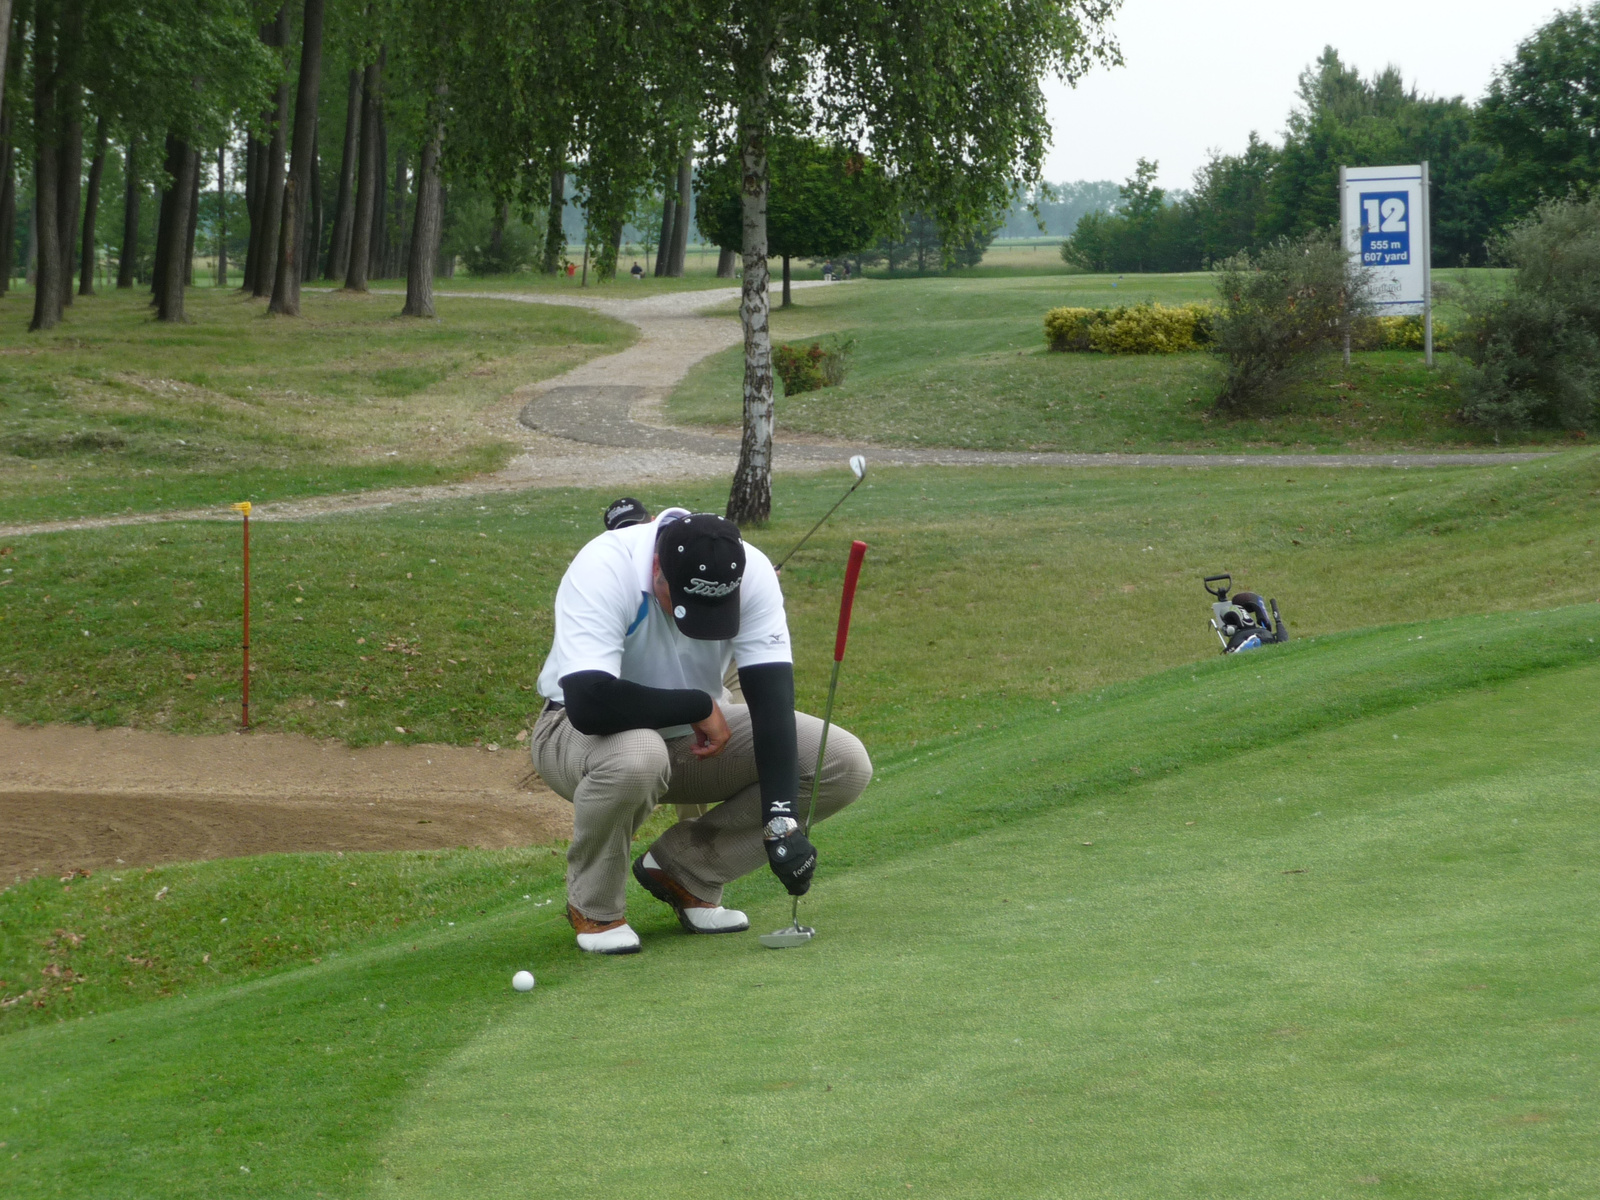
(694, 914)
(603, 937)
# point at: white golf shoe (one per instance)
(694, 914)
(603, 937)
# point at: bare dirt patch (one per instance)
(73, 797)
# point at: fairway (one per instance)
(960, 361)
(1364, 968)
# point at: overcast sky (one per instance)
(1202, 74)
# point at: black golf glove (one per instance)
(794, 860)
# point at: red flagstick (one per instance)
(244, 711)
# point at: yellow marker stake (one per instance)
(244, 713)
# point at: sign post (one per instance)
(1384, 213)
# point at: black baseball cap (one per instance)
(702, 560)
(624, 512)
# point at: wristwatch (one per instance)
(779, 828)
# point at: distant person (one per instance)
(647, 619)
(637, 272)
(847, 270)
(827, 271)
(572, 269)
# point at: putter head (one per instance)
(782, 939)
(858, 465)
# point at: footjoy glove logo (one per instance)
(710, 588)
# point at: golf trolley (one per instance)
(1244, 622)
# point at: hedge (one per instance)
(1142, 329)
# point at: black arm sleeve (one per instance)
(599, 703)
(769, 691)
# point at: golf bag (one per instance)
(1246, 622)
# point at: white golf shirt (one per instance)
(608, 619)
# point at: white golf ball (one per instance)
(523, 981)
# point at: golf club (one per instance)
(858, 467)
(798, 934)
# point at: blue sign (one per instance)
(1385, 229)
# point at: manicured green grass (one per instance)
(983, 587)
(1328, 938)
(111, 411)
(960, 361)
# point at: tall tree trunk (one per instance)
(165, 216)
(5, 52)
(355, 277)
(132, 193)
(253, 189)
(69, 191)
(380, 192)
(313, 241)
(726, 258)
(169, 301)
(344, 204)
(555, 229)
(91, 211)
(680, 219)
(8, 202)
(272, 198)
(669, 212)
(296, 195)
(395, 243)
(750, 497)
(192, 221)
(425, 231)
(785, 281)
(222, 216)
(50, 276)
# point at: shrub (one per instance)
(1142, 329)
(1280, 310)
(807, 368)
(1397, 333)
(1533, 350)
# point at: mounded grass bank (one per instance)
(1309, 920)
(985, 589)
(960, 361)
(113, 412)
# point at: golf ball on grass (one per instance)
(523, 981)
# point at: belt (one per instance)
(553, 706)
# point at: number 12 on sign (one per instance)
(1385, 229)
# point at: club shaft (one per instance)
(818, 525)
(816, 776)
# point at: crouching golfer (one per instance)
(647, 619)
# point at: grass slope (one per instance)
(1362, 969)
(987, 591)
(111, 412)
(960, 361)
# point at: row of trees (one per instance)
(1533, 136)
(510, 98)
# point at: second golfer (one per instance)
(647, 620)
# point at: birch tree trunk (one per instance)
(355, 278)
(296, 193)
(750, 499)
(253, 187)
(726, 258)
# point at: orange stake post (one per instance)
(244, 710)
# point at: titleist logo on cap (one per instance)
(710, 588)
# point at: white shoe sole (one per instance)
(621, 940)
